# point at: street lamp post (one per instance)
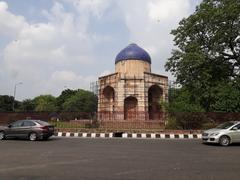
(14, 94)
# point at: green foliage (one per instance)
(69, 100)
(208, 51)
(227, 98)
(83, 101)
(6, 103)
(183, 112)
(45, 103)
(66, 124)
(63, 98)
(183, 103)
(172, 123)
(27, 105)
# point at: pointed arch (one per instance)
(130, 108)
(108, 98)
(154, 97)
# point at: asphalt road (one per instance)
(117, 159)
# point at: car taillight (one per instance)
(45, 128)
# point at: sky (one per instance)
(47, 46)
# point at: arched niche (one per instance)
(130, 108)
(154, 97)
(108, 98)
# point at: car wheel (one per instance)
(33, 136)
(2, 135)
(224, 141)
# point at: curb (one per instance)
(129, 135)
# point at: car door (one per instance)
(14, 129)
(235, 133)
(27, 127)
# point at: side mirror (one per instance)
(9, 126)
(234, 128)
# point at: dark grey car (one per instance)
(30, 129)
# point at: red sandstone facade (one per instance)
(133, 93)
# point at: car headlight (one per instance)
(214, 134)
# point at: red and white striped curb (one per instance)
(130, 135)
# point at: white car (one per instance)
(224, 134)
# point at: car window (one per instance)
(237, 126)
(225, 125)
(42, 123)
(17, 124)
(28, 123)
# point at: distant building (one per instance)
(133, 92)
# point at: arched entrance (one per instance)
(130, 108)
(154, 98)
(108, 102)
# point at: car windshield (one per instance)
(225, 125)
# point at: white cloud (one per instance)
(150, 24)
(90, 7)
(10, 23)
(168, 9)
(64, 49)
(67, 76)
(67, 79)
(42, 48)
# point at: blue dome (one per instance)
(133, 52)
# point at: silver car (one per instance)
(224, 134)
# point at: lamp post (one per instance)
(14, 94)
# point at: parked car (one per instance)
(30, 129)
(224, 134)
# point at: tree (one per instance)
(60, 100)
(227, 98)
(208, 51)
(45, 103)
(27, 105)
(6, 103)
(83, 101)
(183, 113)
